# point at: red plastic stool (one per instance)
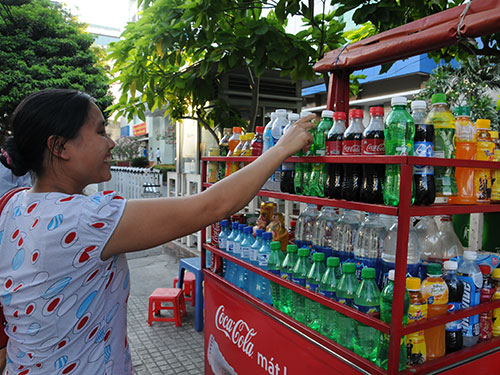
(189, 286)
(175, 297)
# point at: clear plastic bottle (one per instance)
(328, 288)
(230, 266)
(276, 133)
(472, 278)
(323, 231)
(313, 282)
(245, 251)
(347, 229)
(263, 286)
(300, 271)
(267, 135)
(367, 300)
(224, 234)
(239, 271)
(452, 247)
(286, 272)
(431, 244)
(415, 342)
(453, 330)
(346, 290)
(305, 224)
(274, 266)
(251, 279)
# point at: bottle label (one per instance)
(456, 325)
(351, 147)
(274, 272)
(286, 275)
(245, 252)
(374, 146)
(237, 248)
(485, 150)
(254, 253)
(299, 281)
(443, 142)
(362, 262)
(230, 246)
(346, 301)
(367, 309)
(417, 312)
(331, 294)
(472, 283)
(312, 287)
(222, 243)
(435, 292)
(263, 259)
(333, 147)
(423, 149)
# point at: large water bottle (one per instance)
(263, 287)
(452, 247)
(368, 246)
(430, 242)
(323, 231)
(305, 225)
(313, 282)
(224, 234)
(328, 288)
(268, 137)
(238, 270)
(230, 268)
(286, 272)
(413, 268)
(276, 133)
(249, 284)
(348, 227)
(472, 278)
(300, 271)
(245, 249)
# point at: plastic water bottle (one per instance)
(245, 248)
(346, 289)
(453, 330)
(323, 231)
(368, 246)
(254, 255)
(230, 268)
(431, 244)
(274, 266)
(305, 225)
(286, 272)
(367, 300)
(472, 278)
(263, 286)
(348, 227)
(267, 135)
(224, 234)
(328, 287)
(276, 132)
(300, 271)
(313, 282)
(413, 268)
(452, 247)
(399, 137)
(386, 299)
(238, 270)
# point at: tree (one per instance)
(175, 55)
(42, 46)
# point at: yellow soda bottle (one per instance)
(495, 173)
(415, 342)
(486, 152)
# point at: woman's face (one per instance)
(90, 151)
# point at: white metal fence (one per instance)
(132, 183)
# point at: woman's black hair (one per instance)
(54, 112)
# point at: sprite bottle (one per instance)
(273, 266)
(286, 272)
(328, 287)
(345, 295)
(299, 276)
(313, 282)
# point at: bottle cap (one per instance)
(496, 273)
(305, 114)
(293, 223)
(250, 136)
(462, 111)
(235, 225)
(292, 248)
(304, 252)
(318, 257)
(439, 98)
(339, 116)
(248, 230)
(494, 134)
(413, 283)
(418, 104)
(483, 123)
(259, 232)
(485, 269)
(332, 262)
(434, 269)
(368, 273)
(470, 255)
(293, 116)
(356, 113)
(348, 267)
(241, 227)
(376, 111)
(275, 245)
(267, 235)
(259, 129)
(450, 265)
(236, 129)
(398, 100)
(390, 276)
(327, 113)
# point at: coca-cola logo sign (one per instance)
(349, 148)
(238, 332)
(374, 147)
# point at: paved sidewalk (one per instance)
(162, 348)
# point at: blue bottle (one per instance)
(254, 255)
(230, 246)
(223, 236)
(245, 249)
(238, 270)
(262, 285)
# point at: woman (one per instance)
(63, 274)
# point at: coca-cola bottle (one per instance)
(351, 145)
(372, 143)
(334, 172)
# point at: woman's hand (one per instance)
(298, 137)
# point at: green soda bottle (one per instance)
(273, 266)
(307, 170)
(367, 300)
(328, 287)
(298, 178)
(317, 180)
(345, 294)
(321, 132)
(399, 136)
(300, 271)
(385, 315)
(286, 272)
(313, 282)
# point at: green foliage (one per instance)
(42, 46)
(164, 168)
(139, 162)
(127, 148)
(469, 84)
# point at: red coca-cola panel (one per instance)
(216, 228)
(351, 147)
(374, 146)
(241, 339)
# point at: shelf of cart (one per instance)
(449, 209)
(374, 159)
(418, 160)
(346, 310)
